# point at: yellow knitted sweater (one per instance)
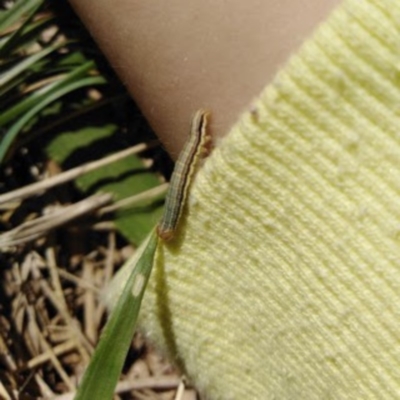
(284, 282)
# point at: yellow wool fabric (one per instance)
(284, 282)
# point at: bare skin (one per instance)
(178, 56)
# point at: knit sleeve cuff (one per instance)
(284, 279)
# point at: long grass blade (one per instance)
(26, 63)
(29, 102)
(12, 133)
(105, 367)
(16, 13)
(11, 41)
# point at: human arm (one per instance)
(176, 57)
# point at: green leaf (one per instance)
(123, 178)
(106, 365)
(134, 223)
(65, 143)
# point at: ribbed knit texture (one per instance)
(285, 280)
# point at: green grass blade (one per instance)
(11, 42)
(12, 133)
(105, 367)
(16, 13)
(29, 33)
(29, 102)
(27, 63)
